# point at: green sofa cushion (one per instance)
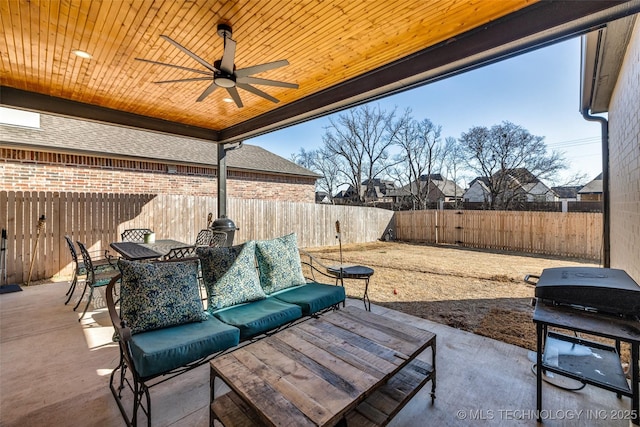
(162, 350)
(159, 295)
(258, 317)
(230, 275)
(312, 297)
(279, 263)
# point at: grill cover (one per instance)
(603, 289)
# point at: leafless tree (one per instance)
(360, 140)
(453, 163)
(323, 164)
(577, 179)
(497, 152)
(422, 153)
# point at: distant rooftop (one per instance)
(567, 192)
(594, 186)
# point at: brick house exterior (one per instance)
(624, 161)
(72, 155)
(618, 53)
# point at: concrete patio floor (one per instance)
(54, 371)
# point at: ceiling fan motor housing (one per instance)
(224, 31)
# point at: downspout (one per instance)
(606, 210)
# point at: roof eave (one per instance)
(602, 55)
(93, 153)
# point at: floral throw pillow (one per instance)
(159, 295)
(230, 275)
(279, 263)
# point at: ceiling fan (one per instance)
(223, 73)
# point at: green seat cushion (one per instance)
(159, 295)
(162, 350)
(103, 278)
(97, 268)
(279, 263)
(312, 297)
(230, 275)
(258, 317)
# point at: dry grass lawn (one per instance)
(475, 290)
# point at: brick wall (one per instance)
(24, 170)
(624, 152)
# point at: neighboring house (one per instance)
(322, 197)
(447, 190)
(478, 191)
(372, 191)
(518, 186)
(52, 153)
(567, 193)
(438, 187)
(592, 192)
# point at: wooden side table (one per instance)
(359, 272)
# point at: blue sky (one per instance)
(538, 90)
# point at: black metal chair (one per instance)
(94, 279)
(204, 237)
(209, 237)
(218, 239)
(134, 235)
(181, 252)
(99, 263)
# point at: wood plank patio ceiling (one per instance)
(327, 43)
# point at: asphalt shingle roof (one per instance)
(72, 135)
(569, 192)
(594, 186)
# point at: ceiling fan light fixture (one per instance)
(225, 81)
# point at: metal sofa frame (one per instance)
(139, 386)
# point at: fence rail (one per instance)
(569, 234)
(97, 219)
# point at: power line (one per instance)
(575, 142)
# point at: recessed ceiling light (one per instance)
(82, 54)
(227, 99)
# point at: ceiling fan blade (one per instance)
(266, 82)
(194, 79)
(188, 52)
(233, 92)
(209, 73)
(257, 91)
(243, 72)
(208, 91)
(226, 64)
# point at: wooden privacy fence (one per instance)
(570, 234)
(97, 219)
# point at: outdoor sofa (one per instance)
(163, 329)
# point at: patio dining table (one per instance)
(134, 251)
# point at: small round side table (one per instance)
(359, 272)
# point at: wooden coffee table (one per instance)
(317, 372)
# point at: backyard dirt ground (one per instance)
(475, 290)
